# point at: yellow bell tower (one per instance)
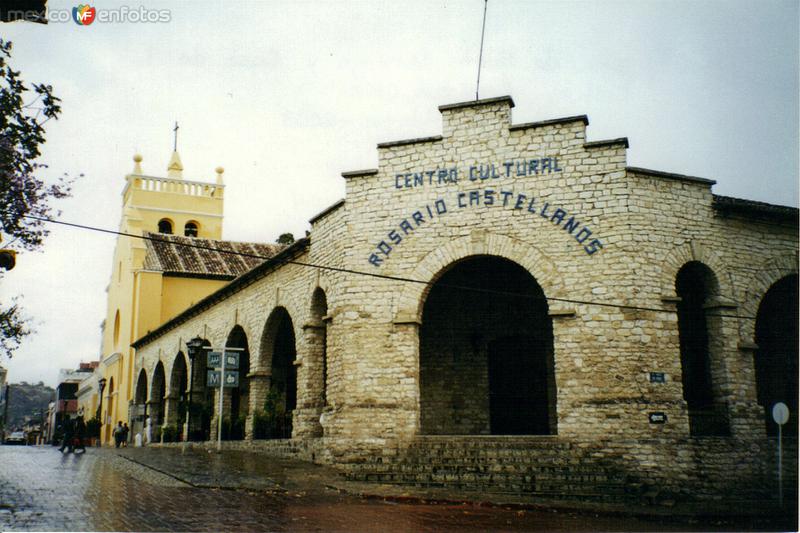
(150, 204)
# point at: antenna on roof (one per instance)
(480, 56)
(175, 144)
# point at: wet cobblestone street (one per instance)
(166, 490)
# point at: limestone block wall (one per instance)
(603, 241)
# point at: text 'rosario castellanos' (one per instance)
(477, 172)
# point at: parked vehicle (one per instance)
(15, 437)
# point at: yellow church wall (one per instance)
(180, 293)
(139, 300)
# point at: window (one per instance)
(190, 229)
(165, 226)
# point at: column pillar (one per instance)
(259, 389)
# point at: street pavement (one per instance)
(173, 489)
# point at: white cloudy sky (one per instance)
(287, 95)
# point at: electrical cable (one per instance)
(373, 274)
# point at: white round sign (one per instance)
(780, 413)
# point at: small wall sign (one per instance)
(657, 417)
(657, 377)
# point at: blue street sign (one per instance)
(231, 360)
(231, 379)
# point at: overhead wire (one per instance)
(621, 306)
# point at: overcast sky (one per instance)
(287, 95)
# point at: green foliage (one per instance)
(26, 400)
(270, 423)
(171, 434)
(24, 195)
(285, 238)
(93, 428)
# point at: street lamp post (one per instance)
(102, 384)
(194, 347)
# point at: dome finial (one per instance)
(137, 160)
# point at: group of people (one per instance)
(73, 433)
(121, 434)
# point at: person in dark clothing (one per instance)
(69, 433)
(80, 432)
(118, 432)
(125, 431)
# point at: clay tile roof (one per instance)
(204, 258)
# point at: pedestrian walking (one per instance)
(125, 431)
(80, 433)
(69, 434)
(118, 431)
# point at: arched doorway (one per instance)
(777, 355)
(239, 396)
(318, 337)
(200, 397)
(140, 404)
(700, 348)
(178, 383)
(278, 347)
(486, 352)
(157, 393)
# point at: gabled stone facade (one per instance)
(506, 278)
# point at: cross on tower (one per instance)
(175, 145)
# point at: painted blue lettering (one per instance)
(534, 167)
(472, 175)
(558, 216)
(441, 207)
(485, 175)
(508, 165)
(556, 168)
(522, 169)
(593, 246)
(408, 179)
(417, 216)
(461, 196)
(474, 198)
(384, 248)
(488, 197)
(520, 200)
(442, 175)
(571, 225)
(546, 165)
(454, 175)
(405, 225)
(430, 174)
(544, 210)
(418, 179)
(397, 179)
(585, 233)
(506, 196)
(395, 237)
(375, 260)
(532, 209)
(430, 213)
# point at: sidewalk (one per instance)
(242, 470)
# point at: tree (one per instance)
(285, 238)
(23, 193)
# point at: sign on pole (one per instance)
(780, 414)
(231, 379)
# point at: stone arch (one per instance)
(139, 402)
(765, 276)
(693, 251)
(176, 393)
(158, 391)
(486, 358)
(408, 306)
(278, 352)
(238, 406)
(775, 359)
(317, 338)
(702, 347)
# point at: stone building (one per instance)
(505, 279)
